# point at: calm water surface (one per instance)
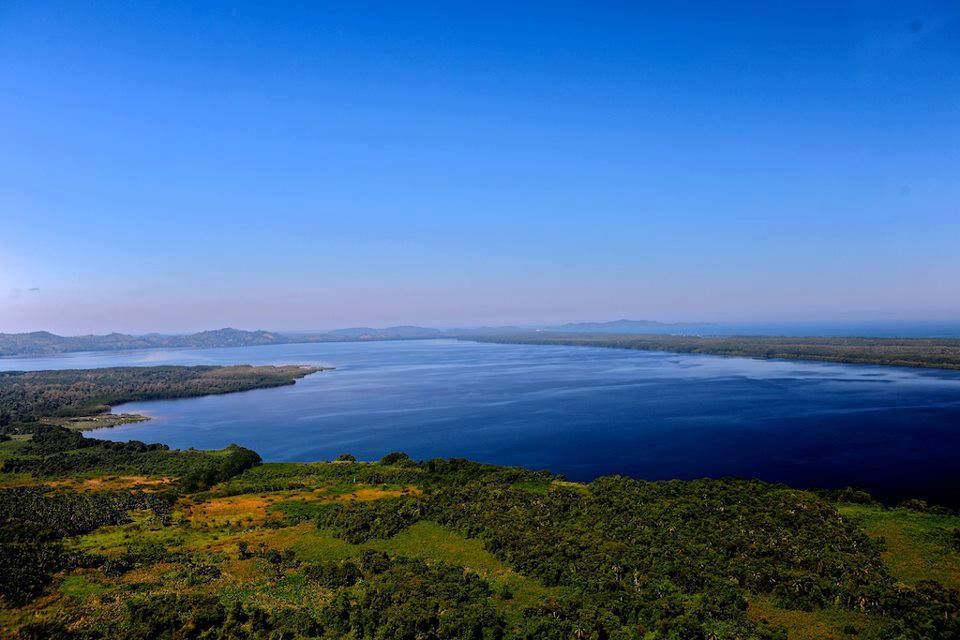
(579, 411)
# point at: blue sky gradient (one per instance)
(174, 167)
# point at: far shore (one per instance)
(926, 353)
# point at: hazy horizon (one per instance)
(851, 326)
(176, 168)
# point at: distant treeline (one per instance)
(45, 343)
(26, 396)
(938, 353)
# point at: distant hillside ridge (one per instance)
(46, 343)
(43, 343)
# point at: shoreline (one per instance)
(913, 353)
(98, 421)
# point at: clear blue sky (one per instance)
(171, 166)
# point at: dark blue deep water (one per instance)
(579, 411)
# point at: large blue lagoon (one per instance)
(579, 411)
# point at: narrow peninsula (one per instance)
(81, 398)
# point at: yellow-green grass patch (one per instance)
(918, 545)
(12, 480)
(15, 447)
(367, 494)
(820, 624)
(81, 483)
(83, 584)
(115, 539)
(425, 540)
(432, 542)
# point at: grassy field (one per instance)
(918, 546)
(820, 624)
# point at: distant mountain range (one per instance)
(46, 343)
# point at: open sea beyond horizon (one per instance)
(579, 411)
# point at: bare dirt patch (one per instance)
(112, 483)
(367, 495)
(248, 508)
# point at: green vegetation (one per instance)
(128, 540)
(454, 549)
(937, 353)
(46, 343)
(918, 545)
(28, 396)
